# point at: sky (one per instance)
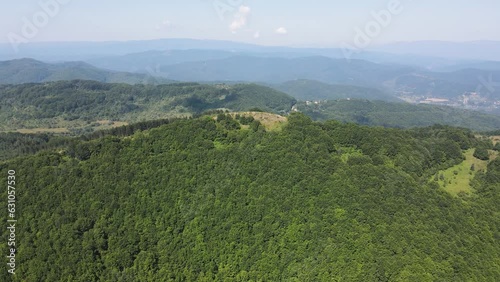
(320, 23)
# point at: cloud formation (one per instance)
(240, 19)
(166, 24)
(281, 30)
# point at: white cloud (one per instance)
(244, 9)
(165, 24)
(256, 35)
(281, 30)
(240, 18)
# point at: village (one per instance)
(469, 101)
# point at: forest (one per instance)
(223, 197)
(399, 115)
(81, 104)
(81, 107)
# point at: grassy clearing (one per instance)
(62, 129)
(493, 155)
(495, 139)
(457, 179)
(271, 122)
(107, 124)
(43, 130)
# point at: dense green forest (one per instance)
(399, 115)
(79, 104)
(80, 107)
(13, 144)
(16, 144)
(223, 199)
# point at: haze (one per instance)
(292, 23)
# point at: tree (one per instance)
(497, 146)
(482, 154)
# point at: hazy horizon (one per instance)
(296, 23)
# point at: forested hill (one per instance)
(80, 104)
(78, 107)
(33, 71)
(220, 199)
(311, 90)
(400, 115)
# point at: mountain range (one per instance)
(386, 81)
(29, 70)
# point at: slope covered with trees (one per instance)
(311, 90)
(401, 115)
(32, 71)
(81, 104)
(79, 107)
(211, 199)
(15, 144)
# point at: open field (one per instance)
(98, 125)
(457, 179)
(269, 121)
(43, 130)
(495, 139)
(107, 124)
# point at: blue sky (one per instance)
(266, 22)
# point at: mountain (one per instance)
(401, 115)
(29, 70)
(81, 106)
(278, 70)
(70, 51)
(425, 54)
(471, 76)
(151, 60)
(432, 55)
(479, 65)
(397, 80)
(212, 199)
(451, 85)
(473, 50)
(311, 90)
(413, 76)
(84, 106)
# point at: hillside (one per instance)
(279, 70)
(394, 79)
(401, 115)
(207, 200)
(32, 71)
(76, 107)
(288, 70)
(149, 60)
(81, 106)
(311, 90)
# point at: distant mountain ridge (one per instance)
(205, 66)
(426, 54)
(399, 115)
(310, 90)
(278, 70)
(472, 50)
(32, 71)
(150, 60)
